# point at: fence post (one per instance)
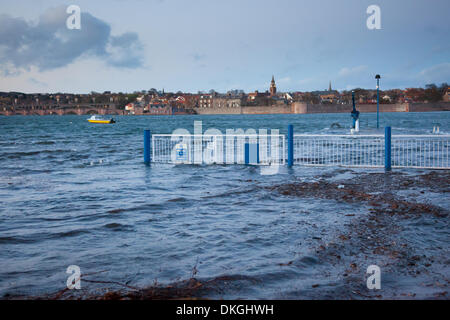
(251, 151)
(257, 153)
(387, 149)
(147, 147)
(290, 145)
(247, 153)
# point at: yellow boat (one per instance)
(98, 119)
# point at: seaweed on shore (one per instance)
(190, 289)
(379, 237)
(371, 189)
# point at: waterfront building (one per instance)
(205, 101)
(227, 102)
(252, 96)
(446, 96)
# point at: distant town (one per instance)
(159, 102)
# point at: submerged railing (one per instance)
(218, 149)
(371, 151)
(339, 150)
(421, 151)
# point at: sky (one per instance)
(129, 45)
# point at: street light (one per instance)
(378, 99)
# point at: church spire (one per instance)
(329, 87)
(273, 87)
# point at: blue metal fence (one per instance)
(372, 151)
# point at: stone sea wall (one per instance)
(299, 107)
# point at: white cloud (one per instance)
(284, 80)
(437, 73)
(346, 72)
(307, 81)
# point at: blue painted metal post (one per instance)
(387, 149)
(257, 153)
(147, 147)
(247, 153)
(251, 153)
(378, 100)
(290, 145)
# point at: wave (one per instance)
(34, 238)
(18, 155)
(45, 142)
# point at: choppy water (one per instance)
(73, 193)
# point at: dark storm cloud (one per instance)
(49, 44)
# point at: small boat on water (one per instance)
(99, 119)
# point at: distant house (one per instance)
(133, 108)
(254, 95)
(329, 97)
(180, 99)
(205, 101)
(129, 107)
(289, 97)
(298, 96)
(279, 99)
(227, 102)
(158, 108)
(446, 96)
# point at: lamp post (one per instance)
(378, 99)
